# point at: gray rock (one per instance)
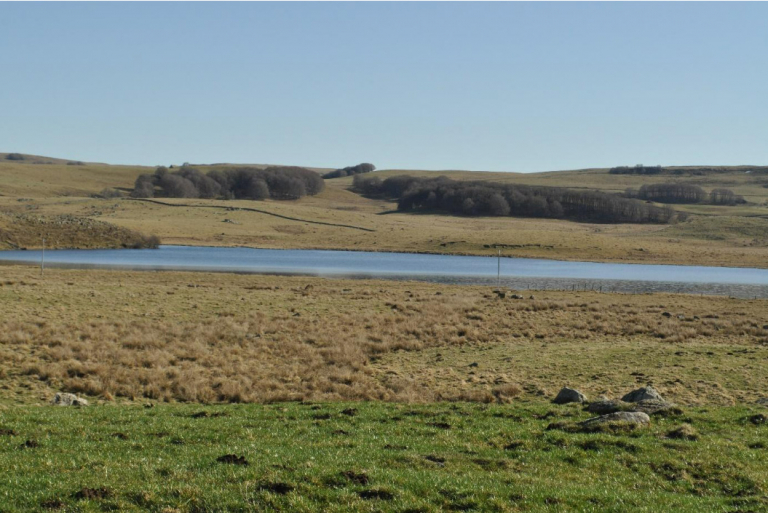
(569, 395)
(634, 418)
(657, 407)
(63, 399)
(605, 406)
(762, 401)
(641, 394)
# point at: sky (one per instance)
(480, 86)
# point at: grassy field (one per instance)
(375, 457)
(726, 236)
(371, 396)
(123, 336)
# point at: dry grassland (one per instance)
(719, 236)
(243, 338)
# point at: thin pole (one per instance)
(42, 259)
(498, 271)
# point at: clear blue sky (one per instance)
(486, 86)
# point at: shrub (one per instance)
(14, 156)
(109, 193)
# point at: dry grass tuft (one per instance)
(228, 338)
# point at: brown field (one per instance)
(117, 336)
(715, 235)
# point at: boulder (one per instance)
(63, 399)
(629, 418)
(657, 407)
(569, 395)
(605, 406)
(763, 401)
(641, 394)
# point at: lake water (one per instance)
(518, 273)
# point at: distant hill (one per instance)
(23, 158)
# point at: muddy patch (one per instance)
(93, 493)
(277, 488)
(376, 494)
(360, 478)
(232, 459)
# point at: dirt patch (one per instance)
(435, 459)
(349, 412)
(7, 432)
(289, 229)
(439, 425)
(278, 488)
(758, 419)
(30, 444)
(232, 459)
(684, 432)
(382, 495)
(121, 436)
(52, 504)
(355, 477)
(93, 493)
(205, 415)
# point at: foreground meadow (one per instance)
(370, 396)
(375, 457)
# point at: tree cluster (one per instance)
(725, 197)
(351, 170)
(683, 193)
(14, 156)
(495, 199)
(669, 193)
(636, 170)
(234, 183)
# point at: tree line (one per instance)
(234, 183)
(636, 170)
(350, 170)
(683, 193)
(472, 198)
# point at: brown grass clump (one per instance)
(231, 338)
(683, 432)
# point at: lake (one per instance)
(517, 273)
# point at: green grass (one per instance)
(383, 457)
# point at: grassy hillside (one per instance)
(717, 235)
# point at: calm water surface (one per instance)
(521, 273)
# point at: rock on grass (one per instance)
(616, 421)
(611, 423)
(642, 394)
(63, 399)
(569, 395)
